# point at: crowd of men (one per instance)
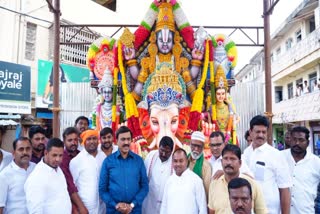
(88, 173)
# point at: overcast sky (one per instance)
(203, 12)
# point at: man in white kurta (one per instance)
(85, 169)
(159, 168)
(13, 177)
(184, 190)
(46, 187)
(304, 170)
(5, 159)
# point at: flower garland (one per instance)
(143, 31)
(197, 102)
(129, 102)
(184, 26)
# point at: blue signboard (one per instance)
(15, 95)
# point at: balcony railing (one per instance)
(302, 108)
(299, 51)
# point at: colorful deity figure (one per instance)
(104, 105)
(164, 109)
(226, 118)
(163, 45)
(161, 74)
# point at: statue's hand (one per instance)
(198, 52)
(134, 71)
(129, 53)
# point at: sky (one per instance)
(203, 12)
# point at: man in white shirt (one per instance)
(46, 187)
(13, 177)
(85, 170)
(159, 167)
(216, 146)
(184, 191)
(107, 142)
(305, 171)
(269, 167)
(5, 159)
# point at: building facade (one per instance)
(295, 72)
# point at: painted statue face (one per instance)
(221, 95)
(164, 121)
(106, 92)
(165, 41)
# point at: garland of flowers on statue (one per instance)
(144, 29)
(132, 113)
(197, 103)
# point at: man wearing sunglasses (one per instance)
(217, 144)
(197, 163)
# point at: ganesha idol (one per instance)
(164, 109)
(171, 76)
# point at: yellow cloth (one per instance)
(206, 173)
(219, 196)
(84, 135)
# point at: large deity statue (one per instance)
(171, 80)
(164, 46)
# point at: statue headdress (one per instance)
(165, 17)
(220, 81)
(164, 87)
(107, 79)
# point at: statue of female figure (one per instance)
(104, 106)
(225, 111)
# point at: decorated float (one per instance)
(164, 79)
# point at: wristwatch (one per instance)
(132, 205)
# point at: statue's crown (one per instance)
(220, 80)
(165, 17)
(165, 87)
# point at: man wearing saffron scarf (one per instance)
(197, 163)
(85, 170)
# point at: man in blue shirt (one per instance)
(123, 180)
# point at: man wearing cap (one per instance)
(85, 170)
(197, 163)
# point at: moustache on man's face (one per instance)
(228, 166)
(296, 147)
(125, 145)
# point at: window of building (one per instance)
(272, 57)
(298, 36)
(289, 43)
(278, 93)
(299, 87)
(278, 51)
(75, 53)
(312, 81)
(312, 24)
(290, 90)
(31, 34)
